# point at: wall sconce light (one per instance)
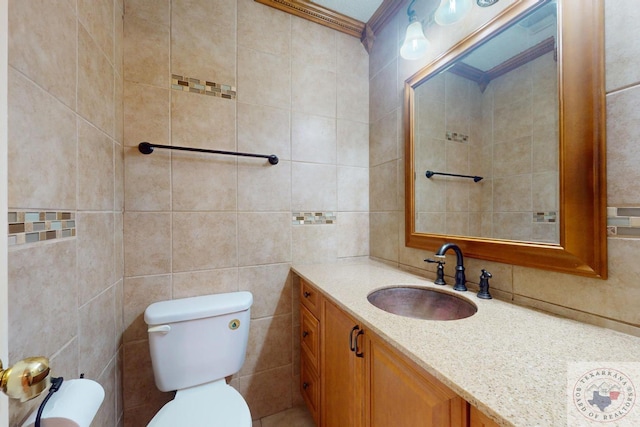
(415, 43)
(451, 11)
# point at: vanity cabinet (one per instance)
(352, 378)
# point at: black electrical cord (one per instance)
(56, 383)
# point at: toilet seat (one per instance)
(214, 404)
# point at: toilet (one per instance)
(195, 343)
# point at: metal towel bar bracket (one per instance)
(475, 178)
(147, 148)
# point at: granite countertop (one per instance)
(513, 363)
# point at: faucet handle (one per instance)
(440, 273)
(484, 285)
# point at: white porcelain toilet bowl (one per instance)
(214, 404)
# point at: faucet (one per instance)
(460, 277)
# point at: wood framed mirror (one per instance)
(573, 239)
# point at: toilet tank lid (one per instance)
(179, 310)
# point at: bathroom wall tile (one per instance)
(96, 254)
(263, 28)
(513, 121)
(304, 34)
(316, 187)
(42, 152)
(545, 150)
(457, 196)
(264, 238)
(622, 57)
(353, 186)
(512, 157)
(95, 84)
(267, 392)
(264, 130)
(139, 386)
(147, 112)
(270, 286)
(384, 139)
(96, 334)
(544, 192)
(352, 97)
(118, 40)
(200, 49)
(43, 46)
(147, 179)
(202, 182)
(194, 118)
(623, 124)
(118, 291)
(192, 237)
(147, 243)
(95, 169)
(384, 92)
(142, 415)
(147, 39)
(269, 344)
(139, 293)
(314, 243)
(351, 57)
(118, 165)
(512, 225)
(512, 194)
(265, 78)
(384, 235)
(353, 143)
(512, 86)
(457, 223)
(321, 100)
(56, 287)
(313, 138)
(206, 282)
(385, 48)
(264, 187)
(97, 19)
(106, 415)
(353, 234)
(383, 187)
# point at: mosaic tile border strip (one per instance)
(457, 137)
(550, 217)
(623, 222)
(37, 226)
(313, 218)
(203, 87)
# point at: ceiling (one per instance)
(362, 10)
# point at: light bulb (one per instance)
(415, 43)
(451, 11)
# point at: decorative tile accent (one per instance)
(624, 222)
(313, 218)
(30, 227)
(203, 87)
(457, 137)
(545, 217)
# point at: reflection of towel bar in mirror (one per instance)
(475, 178)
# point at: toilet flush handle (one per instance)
(163, 329)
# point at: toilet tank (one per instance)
(198, 340)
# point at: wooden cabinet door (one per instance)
(401, 394)
(478, 419)
(342, 381)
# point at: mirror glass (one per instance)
(505, 141)
(492, 115)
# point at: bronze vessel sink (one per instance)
(422, 303)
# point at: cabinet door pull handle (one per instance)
(304, 334)
(305, 385)
(306, 294)
(356, 349)
(352, 341)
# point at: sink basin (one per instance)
(422, 303)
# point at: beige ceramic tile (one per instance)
(106, 415)
(118, 41)
(314, 243)
(193, 234)
(95, 169)
(139, 293)
(305, 33)
(297, 416)
(385, 47)
(264, 130)
(353, 143)
(512, 157)
(118, 290)
(384, 139)
(513, 120)
(383, 187)
(322, 99)
(269, 344)
(95, 84)
(203, 182)
(621, 56)
(52, 267)
(206, 282)
(270, 286)
(544, 192)
(118, 160)
(147, 243)
(265, 79)
(139, 387)
(512, 225)
(147, 39)
(203, 121)
(264, 238)
(512, 193)
(97, 19)
(42, 45)
(96, 334)
(384, 93)
(353, 234)
(42, 152)
(267, 392)
(264, 187)
(384, 235)
(353, 189)
(315, 187)
(147, 112)
(147, 180)
(313, 138)
(96, 254)
(263, 28)
(351, 57)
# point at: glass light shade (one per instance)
(451, 11)
(415, 43)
